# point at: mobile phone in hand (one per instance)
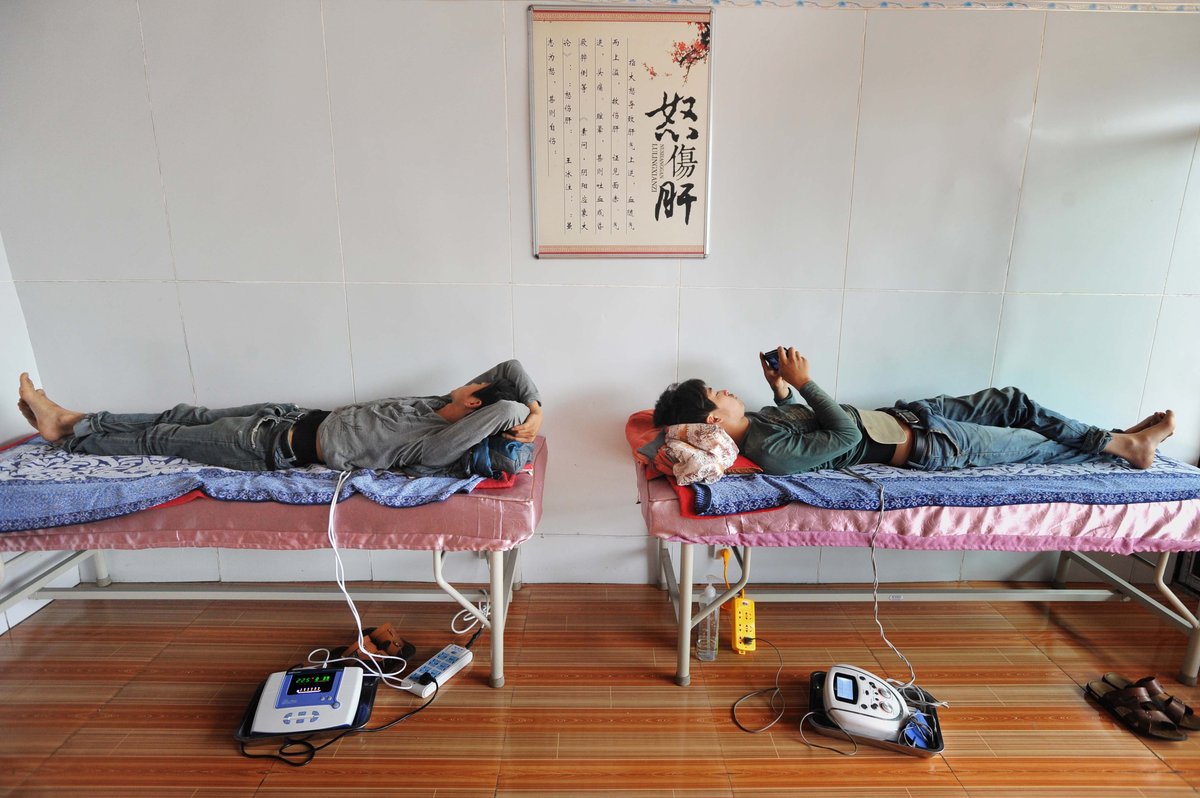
(771, 358)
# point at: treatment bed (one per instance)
(494, 522)
(1091, 515)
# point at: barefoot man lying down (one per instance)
(417, 435)
(991, 427)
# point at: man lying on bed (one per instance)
(994, 426)
(418, 435)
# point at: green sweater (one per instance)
(791, 438)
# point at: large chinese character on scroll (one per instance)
(620, 119)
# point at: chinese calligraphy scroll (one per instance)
(620, 128)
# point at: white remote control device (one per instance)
(441, 666)
(861, 703)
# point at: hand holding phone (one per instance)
(770, 366)
(784, 366)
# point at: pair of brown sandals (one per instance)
(1144, 707)
(377, 641)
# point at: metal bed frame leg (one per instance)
(1191, 660)
(1060, 573)
(680, 593)
(100, 563)
(684, 615)
(1166, 605)
(500, 569)
(499, 613)
(660, 563)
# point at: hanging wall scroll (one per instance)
(620, 121)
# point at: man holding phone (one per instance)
(418, 435)
(993, 426)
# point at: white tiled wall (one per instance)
(82, 196)
(407, 338)
(109, 345)
(241, 120)
(1099, 376)
(1109, 159)
(16, 355)
(935, 191)
(417, 92)
(242, 349)
(944, 336)
(786, 107)
(322, 202)
(1184, 276)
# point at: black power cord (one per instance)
(474, 637)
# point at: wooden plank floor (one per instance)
(141, 699)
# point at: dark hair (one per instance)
(683, 403)
(497, 390)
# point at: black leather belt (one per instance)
(920, 438)
(920, 446)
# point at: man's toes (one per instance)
(27, 412)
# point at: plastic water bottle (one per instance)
(708, 630)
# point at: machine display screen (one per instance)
(313, 682)
(845, 688)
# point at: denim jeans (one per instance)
(1001, 425)
(495, 456)
(232, 437)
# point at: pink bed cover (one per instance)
(486, 520)
(1113, 528)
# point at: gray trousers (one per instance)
(231, 437)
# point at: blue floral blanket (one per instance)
(1102, 482)
(41, 486)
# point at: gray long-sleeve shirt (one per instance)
(792, 438)
(406, 433)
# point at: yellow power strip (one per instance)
(743, 626)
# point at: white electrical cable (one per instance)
(921, 700)
(875, 583)
(374, 662)
(484, 605)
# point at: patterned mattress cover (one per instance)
(492, 520)
(1102, 507)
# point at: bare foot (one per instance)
(27, 411)
(1139, 447)
(52, 421)
(23, 406)
(1148, 421)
